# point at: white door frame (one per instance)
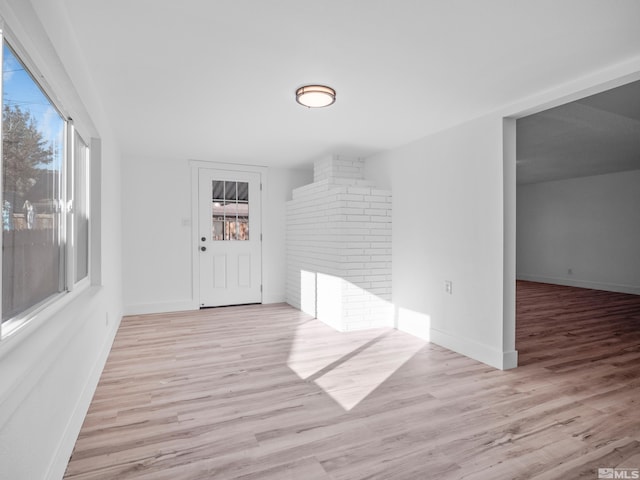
(195, 166)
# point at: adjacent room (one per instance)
(320, 240)
(578, 222)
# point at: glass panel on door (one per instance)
(230, 210)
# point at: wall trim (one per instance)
(164, 307)
(483, 353)
(509, 359)
(268, 298)
(183, 306)
(509, 215)
(567, 282)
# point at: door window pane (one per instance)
(32, 163)
(230, 192)
(230, 210)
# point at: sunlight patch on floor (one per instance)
(350, 365)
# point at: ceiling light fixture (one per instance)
(315, 96)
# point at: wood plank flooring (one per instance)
(265, 392)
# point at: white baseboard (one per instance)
(509, 359)
(274, 298)
(144, 309)
(570, 282)
(184, 306)
(493, 357)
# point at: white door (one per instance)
(229, 240)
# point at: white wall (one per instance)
(453, 219)
(49, 369)
(156, 216)
(588, 225)
(448, 225)
(281, 183)
(158, 241)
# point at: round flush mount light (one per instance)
(315, 96)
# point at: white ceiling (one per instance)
(215, 79)
(593, 136)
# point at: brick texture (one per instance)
(339, 247)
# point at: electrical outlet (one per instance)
(448, 287)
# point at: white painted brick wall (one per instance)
(339, 247)
(339, 170)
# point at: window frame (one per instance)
(67, 258)
(85, 281)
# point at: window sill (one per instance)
(44, 313)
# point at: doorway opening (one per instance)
(577, 221)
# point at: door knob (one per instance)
(203, 248)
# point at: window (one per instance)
(45, 208)
(80, 207)
(230, 210)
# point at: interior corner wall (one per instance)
(156, 218)
(280, 183)
(448, 226)
(379, 171)
(50, 368)
(581, 232)
(157, 234)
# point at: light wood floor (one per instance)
(265, 392)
